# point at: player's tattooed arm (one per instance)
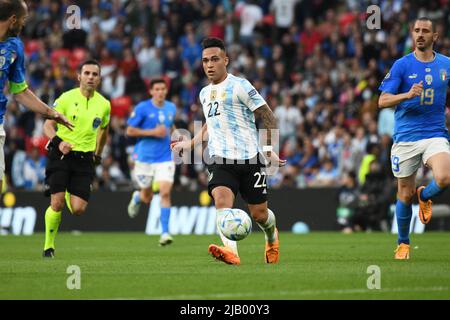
(268, 119)
(270, 124)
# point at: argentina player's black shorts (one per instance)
(248, 177)
(74, 172)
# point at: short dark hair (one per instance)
(156, 81)
(213, 43)
(89, 62)
(9, 8)
(433, 25)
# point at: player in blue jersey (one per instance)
(13, 14)
(230, 105)
(151, 122)
(417, 86)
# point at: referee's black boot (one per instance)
(49, 253)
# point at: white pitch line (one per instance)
(286, 293)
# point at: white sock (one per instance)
(226, 242)
(137, 197)
(269, 227)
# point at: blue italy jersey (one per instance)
(148, 116)
(12, 70)
(421, 117)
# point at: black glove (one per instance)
(97, 160)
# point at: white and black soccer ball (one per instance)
(235, 224)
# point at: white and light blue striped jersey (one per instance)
(228, 108)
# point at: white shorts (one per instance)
(2, 152)
(144, 173)
(406, 157)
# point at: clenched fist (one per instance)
(416, 90)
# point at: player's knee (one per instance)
(222, 202)
(443, 180)
(57, 205)
(146, 198)
(165, 196)
(259, 214)
(78, 211)
(406, 194)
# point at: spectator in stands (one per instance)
(348, 200)
(288, 116)
(34, 170)
(376, 195)
(322, 56)
(251, 16)
(113, 85)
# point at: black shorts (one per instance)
(248, 177)
(74, 172)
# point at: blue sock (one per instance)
(403, 213)
(165, 215)
(430, 191)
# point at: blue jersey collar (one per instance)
(434, 58)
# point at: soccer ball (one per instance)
(235, 224)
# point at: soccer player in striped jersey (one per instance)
(417, 86)
(230, 105)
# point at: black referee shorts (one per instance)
(248, 177)
(74, 172)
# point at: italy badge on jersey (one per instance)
(443, 74)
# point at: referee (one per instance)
(74, 154)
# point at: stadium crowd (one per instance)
(316, 63)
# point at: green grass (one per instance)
(312, 266)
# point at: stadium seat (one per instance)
(121, 106)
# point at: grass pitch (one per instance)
(312, 266)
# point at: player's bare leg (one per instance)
(165, 188)
(78, 205)
(440, 165)
(145, 196)
(406, 191)
(265, 219)
(224, 199)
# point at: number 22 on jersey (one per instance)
(213, 109)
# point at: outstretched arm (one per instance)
(32, 102)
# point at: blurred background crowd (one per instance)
(314, 61)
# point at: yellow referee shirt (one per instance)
(87, 115)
